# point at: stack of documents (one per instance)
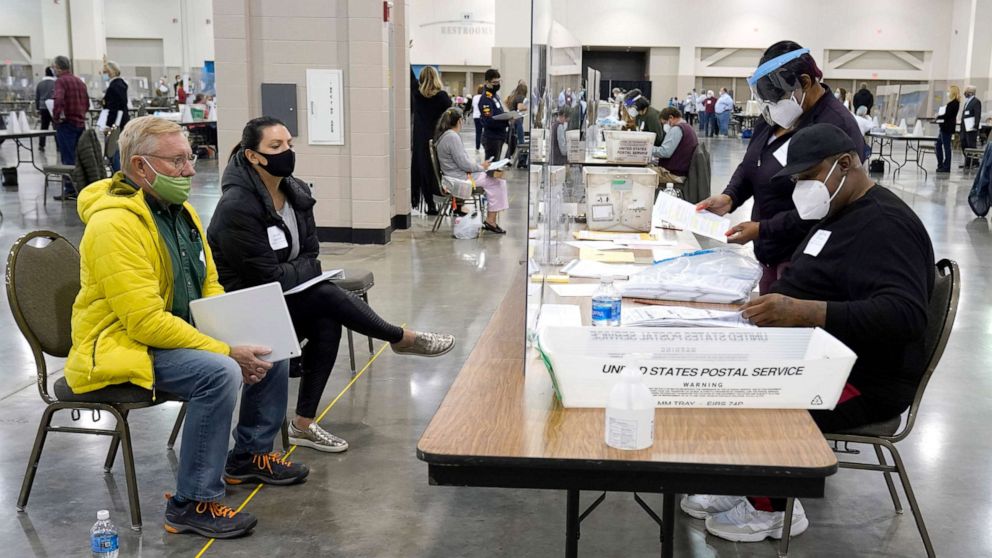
(669, 209)
(594, 270)
(680, 316)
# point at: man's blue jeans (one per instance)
(723, 119)
(66, 138)
(209, 383)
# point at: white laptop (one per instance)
(253, 316)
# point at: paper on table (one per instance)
(322, 277)
(683, 214)
(595, 270)
(969, 124)
(604, 235)
(608, 256)
(595, 245)
(574, 289)
(642, 244)
(567, 315)
(680, 316)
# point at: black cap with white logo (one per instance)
(811, 145)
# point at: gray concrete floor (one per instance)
(374, 500)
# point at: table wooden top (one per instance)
(499, 412)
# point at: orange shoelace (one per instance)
(265, 460)
(216, 509)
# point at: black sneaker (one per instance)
(267, 468)
(210, 519)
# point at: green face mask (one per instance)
(172, 189)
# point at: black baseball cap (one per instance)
(811, 145)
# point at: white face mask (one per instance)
(812, 198)
(787, 111)
(632, 111)
(667, 127)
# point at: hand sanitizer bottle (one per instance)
(630, 413)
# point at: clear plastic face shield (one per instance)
(775, 87)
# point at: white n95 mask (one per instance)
(812, 198)
(785, 112)
(667, 127)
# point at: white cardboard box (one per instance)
(770, 368)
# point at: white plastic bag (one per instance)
(468, 227)
(720, 276)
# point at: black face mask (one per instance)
(495, 87)
(279, 164)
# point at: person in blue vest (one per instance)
(490, 106)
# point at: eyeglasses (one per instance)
(179, 162)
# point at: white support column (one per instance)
(89, 35)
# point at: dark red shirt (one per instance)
(71, 100)
(710, 104)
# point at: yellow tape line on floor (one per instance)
(293, 448)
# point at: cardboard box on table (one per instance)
(771, 368)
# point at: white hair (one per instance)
(115, 70)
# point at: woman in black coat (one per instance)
(263, 230)
(115, 101)
(429, 103)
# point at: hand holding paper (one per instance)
(683, 214)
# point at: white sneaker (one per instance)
(702, 506)
(743, 523)
(316, 438)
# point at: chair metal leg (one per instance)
(177, 426)
(39, 445)
(783, 545)
(351, 351)
(124, 432)
(442, 212)
(112, 452)
(888, 480)
(914, 506)
(365, 297)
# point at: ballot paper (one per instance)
(608, 256)
(574, 289)
(680, 316)
(325, 276)
(498, 164)
(639, 244)
(605, 235)
(595, 270)
(596, 245)
(683, 214)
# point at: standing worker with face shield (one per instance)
(646, 118)
(787, 83)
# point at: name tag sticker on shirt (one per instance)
(277, 238)
(817, 243)
(782, 152)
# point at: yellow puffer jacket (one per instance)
(125, 292)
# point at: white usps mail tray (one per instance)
(720, 368)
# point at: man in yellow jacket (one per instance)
(144, 259)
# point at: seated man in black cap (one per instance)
(864, 274)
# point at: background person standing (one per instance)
(946, 122)
(44, 91)
(971, 118)
(69, 115)
(429, 103)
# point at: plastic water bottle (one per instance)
(630, 413)
(606, 303)
(103, 536)
(671, 191)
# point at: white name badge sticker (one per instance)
(816, 244)
(277, 238)
(782, 152)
